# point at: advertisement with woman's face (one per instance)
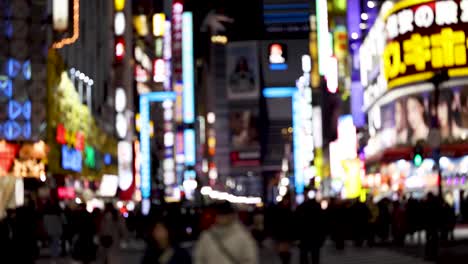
(412, 116)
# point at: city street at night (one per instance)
(234, 131)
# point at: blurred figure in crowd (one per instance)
(311, 230)
(53, 224)
(83, 246)
(432, 215)
(279, 220)
(111, 231)
(384, 220)
(162, 249)
(360, 220)
(372, 221)
(336, 216)
(24, 241)
(258, 227)
(399, 224)
(227, 242)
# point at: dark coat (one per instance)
(152, 254)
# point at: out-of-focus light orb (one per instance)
(362, 26)
(370, 4)
(364, 16)
(354, 35)
(119, 23)
(120, 100)
(211, 117)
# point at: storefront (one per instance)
(80, 151)
(398, 69)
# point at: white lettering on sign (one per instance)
(424, 17)
(446, 13)
(464, 9)
(405, 21)
(392, 26)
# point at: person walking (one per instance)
(310, 221)
(278, 222)
(83, 245)
(111, 231)
(162, 247)
(227, 241)
(53, 224)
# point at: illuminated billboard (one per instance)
(424, 38)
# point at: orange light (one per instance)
(76, 28)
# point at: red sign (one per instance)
(66, 193)
(7, 156)
(75, 139)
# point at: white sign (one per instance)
(60, 15)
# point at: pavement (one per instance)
(412, 253)
(350, 255)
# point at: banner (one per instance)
(243, 80)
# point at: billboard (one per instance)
(242, 65)
(423, 39)
(409, 119)
(244, 137)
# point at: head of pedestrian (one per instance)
(225, 213)
(161, 234)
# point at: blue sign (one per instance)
(14, 130)
(6, 87)
(145, 162)
(15, 67)
(15, 109)
(189, 147)
(71, 159)
(107, 159)
(188, 96)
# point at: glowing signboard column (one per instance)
(188, 69)
(145, 154)
(323, 36)
(188, 91)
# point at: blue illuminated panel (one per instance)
(145, 164)
(278, 67)
(188, 69)
(298, 170)
(16, 109)
(71, 159)
(6, 88)
(279, 92)
(189, 147)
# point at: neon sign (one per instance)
(14, 130)
(6, 86)
(71, 159)
(90, 157)
(187, 69)
(425, 38)
(76, 139)
(16, 109)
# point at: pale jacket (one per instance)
(235, 238)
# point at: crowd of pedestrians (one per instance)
(27, 231)
(221, 234)
(385, 223)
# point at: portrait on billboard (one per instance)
(449, 113)
(401, 122)
(244, 129)
(418, 126)
(242, 71)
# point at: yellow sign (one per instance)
(424, 38)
